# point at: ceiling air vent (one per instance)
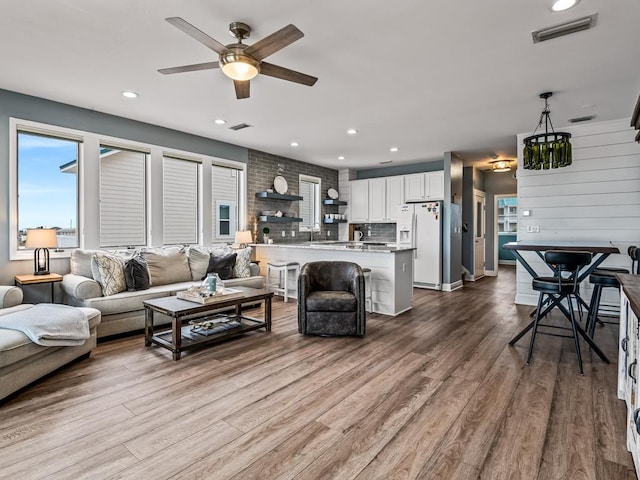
(567, 28)
(582, 119)
(240, 126)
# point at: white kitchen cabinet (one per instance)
(422, 187)
(628, 372)
(359, 201)
(414, 186)
(434, 185)
(377, 199)
(395, 197)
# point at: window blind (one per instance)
(180, 201)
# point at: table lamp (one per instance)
(41, 239)
(243, 238)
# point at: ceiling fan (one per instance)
(242, 62)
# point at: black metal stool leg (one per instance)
(572, 319)
(535, 326)
(592, 319)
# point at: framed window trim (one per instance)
(89, 182)
(315, 224)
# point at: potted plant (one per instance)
(265, 234)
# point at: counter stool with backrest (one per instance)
(553, 291)
(283, 286)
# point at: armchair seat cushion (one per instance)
(331, 301)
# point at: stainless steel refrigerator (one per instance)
(419, 226)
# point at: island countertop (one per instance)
(379, 247)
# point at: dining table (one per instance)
(600, 250)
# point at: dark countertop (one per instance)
(631, 286)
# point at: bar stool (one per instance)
(281, 287)
(600, 279)
(368, 301)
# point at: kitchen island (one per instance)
(391, 267)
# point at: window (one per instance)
(122, 197)
(310, 203)
(508, 215)
(225, 188)
(47, 186)
(180, 201)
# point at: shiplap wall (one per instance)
(595, 198)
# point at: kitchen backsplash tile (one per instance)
(380, 232)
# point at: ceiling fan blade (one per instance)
(274, 42)
(190, 68)
(242, 88)
(286, 74)
(199, 35)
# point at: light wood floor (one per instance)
(433, 393)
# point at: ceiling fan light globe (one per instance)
(239, 67)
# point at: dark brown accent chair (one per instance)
(331, 299)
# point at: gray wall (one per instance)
(400, 170)
(452, 206)
(495, 184)
(40, 110)
(472, 179)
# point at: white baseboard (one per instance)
(491, 273)
(506, 262)
(526, 299)
(450, 287)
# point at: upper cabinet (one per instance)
(378, 199)
(423, 187)
(359, 201)
(395, 197)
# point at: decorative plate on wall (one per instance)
(333, 194)
(280, 185)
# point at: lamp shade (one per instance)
(41, 238)
(244, 236)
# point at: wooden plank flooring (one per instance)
(435, 393)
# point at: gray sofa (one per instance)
(171, 269)
(22, 361)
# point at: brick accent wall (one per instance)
(261, 170)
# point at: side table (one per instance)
(31, 279)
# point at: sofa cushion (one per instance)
(81, 261)
(15, 346)
(331, 301)
(108, 271)
(136, 274)
(199, 258)
(167, 265)
(222, 265)
(243, 261)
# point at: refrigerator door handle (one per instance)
(414, 234)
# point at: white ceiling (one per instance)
(426, 77)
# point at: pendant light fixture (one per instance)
(499, 166)
(546, 150)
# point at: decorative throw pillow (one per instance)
(222, 265)
(243, 260)
(136, 274)
(199, 258)
(167, 265)
(108, 271)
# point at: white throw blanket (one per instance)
(50, 325)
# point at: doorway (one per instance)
(479, 233)
(506, 228)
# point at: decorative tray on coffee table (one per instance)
(195, 295)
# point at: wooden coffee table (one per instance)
(180, 337)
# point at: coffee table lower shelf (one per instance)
(191, 339)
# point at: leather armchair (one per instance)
(331, 299)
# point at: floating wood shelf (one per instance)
(279, 196)
(331, 201)
(274, 219)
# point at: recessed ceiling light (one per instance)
(340, 157)
(561, 5)
(129, 94)
(393, 149)
(294, 144)
(352, 131)
(220, 121)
